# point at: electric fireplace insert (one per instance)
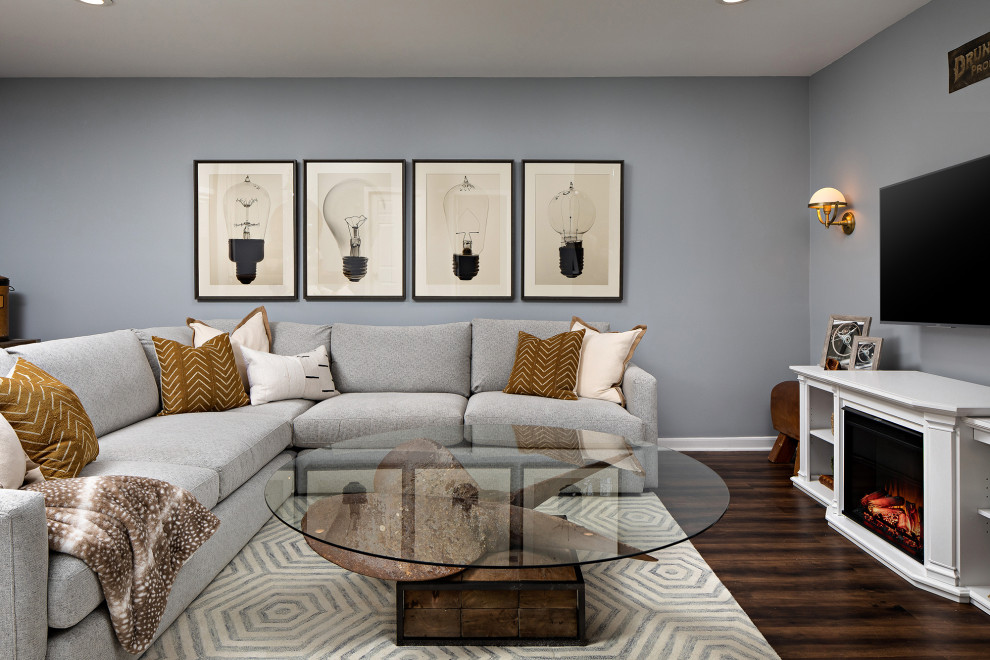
(884, 473)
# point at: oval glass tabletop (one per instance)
(423, 503)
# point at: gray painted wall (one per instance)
(97, 212)
(880, 115)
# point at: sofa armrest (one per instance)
(640, 390)
(23, 575)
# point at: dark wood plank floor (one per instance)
(812, 593)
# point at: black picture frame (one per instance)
(503, 290)
(219, 279)
(545, 180)
(314, 262)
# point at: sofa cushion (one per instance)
(286, 410)
(108, 372)
(233, 444)
(202, 482)
(181, 334)
(428, 358)
(289, 338)
(362, 413)
(590, 414)
(493, 348)
(73, 589)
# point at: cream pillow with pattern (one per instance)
(276, 377)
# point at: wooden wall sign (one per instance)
(970, 63)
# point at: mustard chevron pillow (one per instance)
(199, 379)
(546, 367)
(49, 420)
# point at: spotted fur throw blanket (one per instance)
(135, 534)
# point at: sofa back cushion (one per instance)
(108, 372)
(494, 344)
(180, 333)
(288, 337)
(425, 358)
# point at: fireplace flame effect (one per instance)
(891, 513)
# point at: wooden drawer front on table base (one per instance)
(507, 607)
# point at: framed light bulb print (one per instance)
(572, 230)
(355, 230)
(462, 230)
(245, 234)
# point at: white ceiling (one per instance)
(413, 38)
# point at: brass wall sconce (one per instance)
(827, 202)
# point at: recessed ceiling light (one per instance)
(724, 2)
(103, 3)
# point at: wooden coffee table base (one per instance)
(485, 606)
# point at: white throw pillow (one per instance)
(13, 461)
(277, 377)
(604, 356)
(252, 332)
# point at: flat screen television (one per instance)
(935, 247)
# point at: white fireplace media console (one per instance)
(956, 447)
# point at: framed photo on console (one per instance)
(355, 230)
(839, 336)
(462, 230)
(245, 231)
(865, 353)
(572, 230)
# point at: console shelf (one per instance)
(823, 434)
(953, 418)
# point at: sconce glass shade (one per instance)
(827, 197)
(571, 214)
(465, 209)
(346, 210)
(827, 201)
(246, 208)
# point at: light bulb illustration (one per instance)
(246, 206)
(571, 214)
(465, 209)
(346, 209)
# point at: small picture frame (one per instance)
(572, 230)
(865, 353)
(463, 230)
(839, 336)
(354, 238)
(245, 230)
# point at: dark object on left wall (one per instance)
(5, 288)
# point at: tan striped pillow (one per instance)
(546, 367)
(199, 379)
(51, 423)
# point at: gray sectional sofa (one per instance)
(391, 378)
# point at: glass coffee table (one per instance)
(484, 528)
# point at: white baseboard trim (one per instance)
(743, 443)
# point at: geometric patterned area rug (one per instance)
(279, 599)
